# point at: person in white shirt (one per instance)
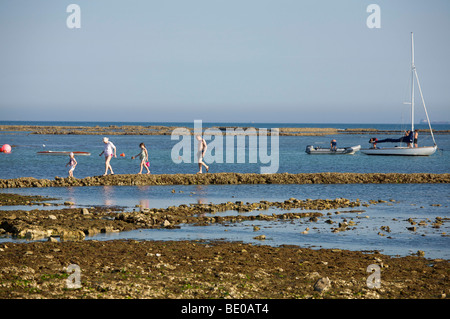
(109, 151)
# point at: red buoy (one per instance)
(6, 148)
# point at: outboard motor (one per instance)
(309, 148)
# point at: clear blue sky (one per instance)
(290, 61)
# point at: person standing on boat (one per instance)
(410, 138)
(416, 136)
(333, 145)
(109, 151)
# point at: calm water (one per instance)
(23, 161)
(411, 200)
(365, 235)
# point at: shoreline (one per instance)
(167, 130)
(229, 178)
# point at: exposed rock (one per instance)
(68, 235)
(323, 284)
(420, 253)
(260, 237)
(229, 178)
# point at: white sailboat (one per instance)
(408, 151)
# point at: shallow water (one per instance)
(409, 198)
(363, 236)
(24, 162)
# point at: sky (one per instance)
(286, 61)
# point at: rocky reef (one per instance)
(167, 130)
(229, 178)
(76, 223)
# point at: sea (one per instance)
(399, 202)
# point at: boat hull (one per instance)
(401, 151)
(326, 151)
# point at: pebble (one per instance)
(422, 223)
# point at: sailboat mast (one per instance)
(412, 82)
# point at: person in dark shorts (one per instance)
(408, 138)
(416, 136)
(333, 145)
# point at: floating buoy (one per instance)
(123, 155)
(6, 148)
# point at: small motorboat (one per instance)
(310, 149)
(65, 153)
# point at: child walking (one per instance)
(72, 163)
(143, 156)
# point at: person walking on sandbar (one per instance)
(202, 146)
(143, 156)
(109, 151)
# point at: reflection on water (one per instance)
(71, 195)
(108, 195)
(144, 202)
(201, 194)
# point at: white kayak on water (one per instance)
(63, 153)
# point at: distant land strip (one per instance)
(167, 130)
(230, 178)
